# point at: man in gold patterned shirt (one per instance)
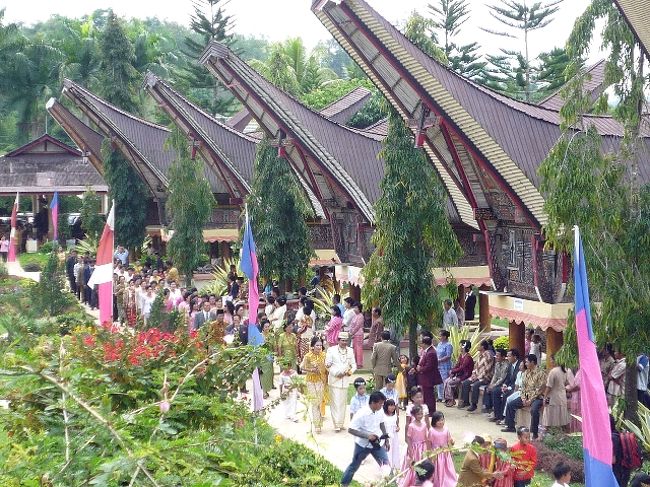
(532, 389)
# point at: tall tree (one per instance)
(419, 30)
(189, 205)
(208, 23)
(600, 192)
(412, 236)
(522, 19)
(91, 221)
(278, 210)
(118, 85)
(448, 17)
(552, 70)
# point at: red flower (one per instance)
(89, 341)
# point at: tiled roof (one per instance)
(143, 143)
(637, 14)
(46, 171)
(343, 109)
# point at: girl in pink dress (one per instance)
(416, 441)
(439, 437)
(334, 326)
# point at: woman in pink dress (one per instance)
(439, 437)
(416, 444)
(356, 332)
(334, 326)
(573, 393)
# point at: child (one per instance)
(503, 464)
(487, 457)
(400, 382)
(289, 391)
(417, 399)
(524, 456)
(412, 379)
(562, 474)
(439, 437)
(389, 390)
(360, 399)
(536, 347)
(416, 445)
(425, 474)
(391, 422)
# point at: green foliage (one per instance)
(503, 342)
(571, 446)
(189, 205)
(642, 430)
(158, 311)
(457, 335)
(448, 18)
(326, 94)
(372, 112)
(91, 220)
(49, 295)
(419, 31)
(412, 234)
(278, 211)
(3, 270)
(129, 194)
(219, 284)
(33, 262)
(119, 78)
(552, 70)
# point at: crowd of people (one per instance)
(495, 382)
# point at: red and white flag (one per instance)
(13, 245)
(103, 273)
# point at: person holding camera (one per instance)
(368, 427)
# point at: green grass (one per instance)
(37, 258)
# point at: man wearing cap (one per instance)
(340, 364)
(384, 358)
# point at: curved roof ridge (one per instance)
(68, 83)
(596, 71)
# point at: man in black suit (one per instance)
(204, 316)
(499, 395)
(69, 270)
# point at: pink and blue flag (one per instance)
(596, 436)
(54, 206)
(250, 268)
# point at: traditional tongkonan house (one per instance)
(341, 164)
(37, 170)
(490, 146)
(637, 15)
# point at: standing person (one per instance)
(458, 374)
(356, 332)
(503, 465)
(440, 437)
(536, 347)
(147, 302)
(376, 327)
(278, 315)
(556, 411)
(341, 365)
(428, 374)
(616, 379)
(643, 367)
(205, 316)
(287, 345)
(391, 422)
(470, 304)
(562, 475)
(449, 316)
(573, 402)
(336, 301)
(383, 359)
(401, 381)
(4, 248)
(622, 471)
(122, 254)
(313, 363)
(270, 306)
(498, 378)
(417, 438)
(528, 340)
(120, 298)
(232, 277)
(524, 454)
(348, 314)
(360, 399)
(472, 474)
(481, 376)
(334, 326)
(444, 351)
(130, 305)
(289, 390)
(368, 427)
(389, 390)
(267, 365)
(499, 396)
(532, 390)
(69, 269)
(306, 328)
(460, 312)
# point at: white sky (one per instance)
(279, 19)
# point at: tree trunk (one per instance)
(631, 396)
(413, 339)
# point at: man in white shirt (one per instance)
(368, 427)
(449, 316)
(340, 364)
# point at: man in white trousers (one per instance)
(341, 365)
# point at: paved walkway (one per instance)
(337, 447)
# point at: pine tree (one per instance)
(552, 70)
(91, 221)
(278, 211)
(119, 80)
(420, 31)
(189, 205)
(209, 23)
(49, 295)
(412, 236)
(524, 19)
(448, 17)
